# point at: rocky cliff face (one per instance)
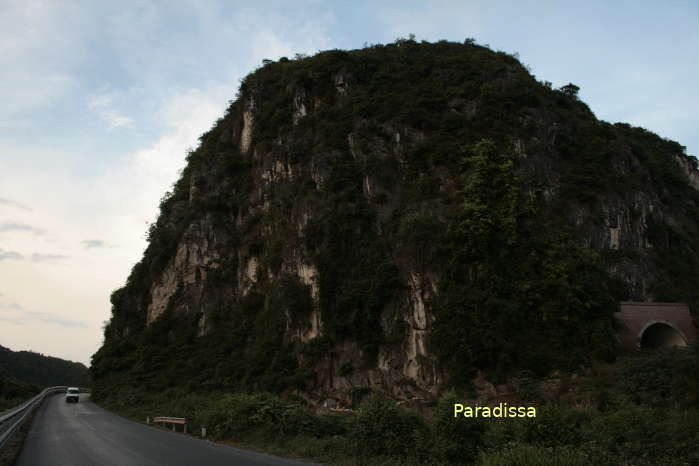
(322, 238)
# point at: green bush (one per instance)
(529, 455)
(235, 415)
(456, 439)
(238, 415)
(381, 432)
(662, 378)
(554, 426)
(650, 435)
(382, 428)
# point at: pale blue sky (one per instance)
(100, 100)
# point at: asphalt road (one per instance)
(79, 434)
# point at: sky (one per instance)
(100, 102)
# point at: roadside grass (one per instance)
(627, 420)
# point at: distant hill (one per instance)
(36, 369)
(14, 392)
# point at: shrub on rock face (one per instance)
(456, 439)
(647, 435)
(381, 428)
(663, 378)
(555, 427)
(236, 414)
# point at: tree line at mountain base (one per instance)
(643, 410)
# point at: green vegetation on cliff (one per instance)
(457, 215)
(642, 411)
(514, 296)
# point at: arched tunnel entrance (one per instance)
(661, 335)
(655, 325)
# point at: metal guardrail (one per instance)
(169, 420)
(12, 419)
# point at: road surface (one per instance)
(81, 434)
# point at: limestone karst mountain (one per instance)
(395, 218)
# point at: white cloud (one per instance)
(11, 226)
(117, 120)
(14, 313)
(39, 257)
(93, 243)
(83, 213)
(99, 101)
(134, 187)
(34, 63)
(102, 104)
(10, 255)
(54, 319)
(11, 203)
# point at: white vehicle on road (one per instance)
(72, 394)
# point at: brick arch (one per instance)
(637, 317)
